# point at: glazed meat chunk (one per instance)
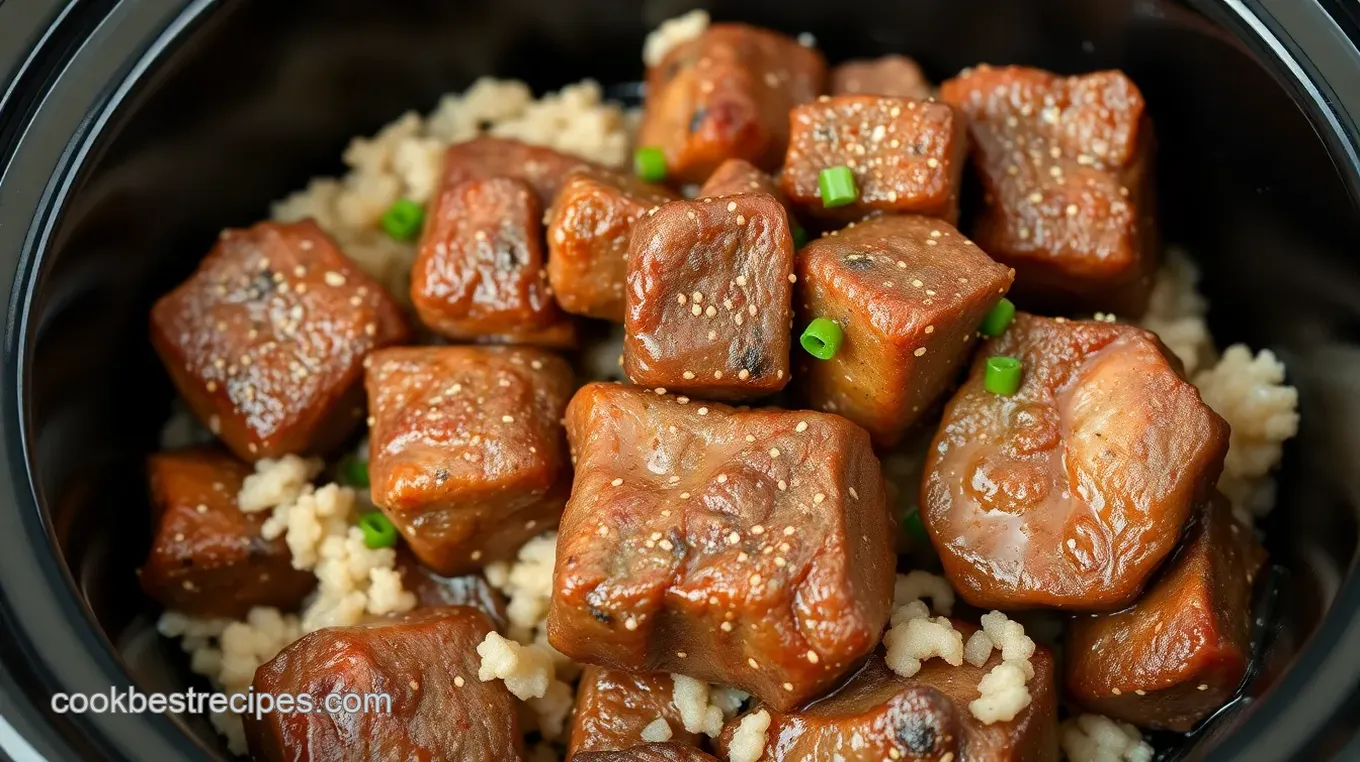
(736, 176)
(1070, 492)
(726, 94)
(892, 75)
(207, 557)
(480, 266)
(590, 223)
(1182, 650)
(487, 157)
(649, 752)
(709, 298)
(466, 452)
(908, 293)
(613, 707)
(426, 662)
(880, 715)
(266, 339)
(750, 548)
(906, 155)
(1065, 164)
(433, 589)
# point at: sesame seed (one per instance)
(458, 681)
(788, 686)
(783, 485)
(684, 495)
(1202, 687)
(476, 555)
(758, 529)
(722, 478)
(711, 311)
(1071, 210)
(788, 532)
(726, 626)
(703, 411)
(733, 538)
(919, 351)
(507, 419)
(731, 206)
(681, 298)
(755, 580)
(1116, 691)
(813, 657)
(630, 623)
(696, 310)
(660, 390)
(1141, 692)
(743, 374)
(853, 493)
(793, 278)
(753, 663)
(617, 483)
(1071, 543)
(818, 498)
(916, 283)
(717, 373)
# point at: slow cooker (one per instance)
(132, 131)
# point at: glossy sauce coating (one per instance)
(709, 298)
(466, 452)
(486, 157)
(1066, 167)
(893, 75)
(750, 548)
(588, 231)
(425, 661)
(480, 265)
(613, 707)
(736, 176)
(1182, 650)
(265, 340)
(649, 752)
(1070, 492)
(906, 155)
(207, 557)
(433, 589)
(880, 715)
(726, 94)
(908, 292)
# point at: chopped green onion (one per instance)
(354, 472)
(1002, 376)
(799, 236)
(838, 186)
(996, 321)
(403, 219)
(915, 529)
(822, 338)
(649, 163)
(379, 532)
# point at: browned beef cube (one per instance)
(432, 589)
(909, 293)
(726, 94)
(669, 751)
(1070, 492)
(1181, 651)
(750, 548)
(265, 340)
(892, 75)
(480, 269)
(906, 155)
(487, 157)
(613, 707)
(425, 662)
(588, 232)
(207, 557)
(1065, 164)
(880, 715)
(709, 288)
(466, 453)
(736, 176)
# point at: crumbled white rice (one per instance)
(657, 731)
(1003, 694)
(529, 673)
(671, 33)
(527, 584)
(1008, 636)
(702, 707)
(353, 580)
(405, 160)
(748, 742)
(1096, 738)
(1248, 391)
(918, 584)
(228, 653)
(915, 637)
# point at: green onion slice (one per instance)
(838, 186)
(649, 163)
(403, 220)
(996, 321)
(822, 338)
(379, 532)
(1002, 375)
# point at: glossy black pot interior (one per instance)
(248, 99)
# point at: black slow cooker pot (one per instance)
(132, 131)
